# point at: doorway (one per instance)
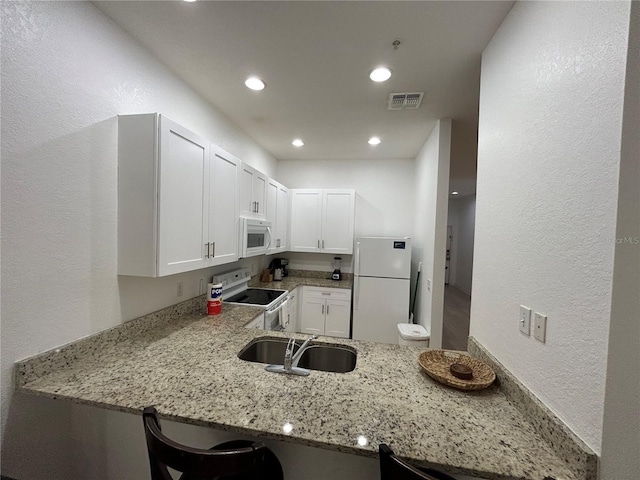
(458, 272)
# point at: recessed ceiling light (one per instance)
(254, 83)
(454, 193)
(297, 143)
(190, 1)
(374, 141)
(380, 74)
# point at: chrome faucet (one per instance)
(290, 364)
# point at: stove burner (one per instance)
(255, 296)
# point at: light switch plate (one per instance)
(429, 285)
(525, 320)
(540, 327)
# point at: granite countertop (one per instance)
(185, 363)
(293, 281)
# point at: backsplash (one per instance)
(317, 274)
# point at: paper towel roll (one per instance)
(214, 298)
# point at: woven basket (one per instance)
(436, 364)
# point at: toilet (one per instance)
(412, 334)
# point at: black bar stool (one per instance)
(392, 468)
(237, 459)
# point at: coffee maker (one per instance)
(285, 266)
(278, 267)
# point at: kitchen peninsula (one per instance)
(185, 363)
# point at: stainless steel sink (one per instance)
(329, 358)
(317, 356)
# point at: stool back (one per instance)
(196, 462)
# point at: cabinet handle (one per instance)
(322, 243)
(213, 249)
(318, 243)
(327, 309)
(323, 309)
(207, 245)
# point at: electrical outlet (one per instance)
(540, 327)
(180, 292)
(524, 320)
(201, 288)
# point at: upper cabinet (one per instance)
(223, 206)
(322, 220)
(171, 185)
(252, 193)
(278, 215)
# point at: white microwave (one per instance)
(255, 237)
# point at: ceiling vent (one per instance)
(405, 101)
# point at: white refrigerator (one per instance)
(382, 269)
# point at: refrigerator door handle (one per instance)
(357, 265)
(356, 292)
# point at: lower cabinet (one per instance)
(326, 311)
(292, 310)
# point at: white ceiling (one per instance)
(316, 58)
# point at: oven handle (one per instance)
(279, 307)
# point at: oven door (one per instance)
(255, 237)
(277, 319)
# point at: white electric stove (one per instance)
(235, 291)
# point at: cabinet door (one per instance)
(272, 216)
(312, 316)
(295, 306)
(260, 194)
(292, 311)
(223, 207)
(338, 212)
(245, 192)
(306, 211)
(183, 199)
(282, 218)
(338, 315)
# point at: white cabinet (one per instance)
(252, 193)
(282, 219)
(322, 220)
(338, 213)
(223, 207)
(306, 217)
(278, 215)
(325, 311)
(292, 310)
(168, 197)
